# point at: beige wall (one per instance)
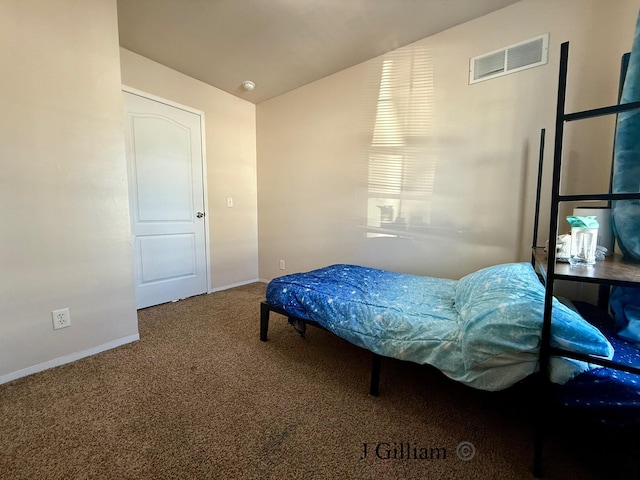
(230, 137)
(63, 194)
(314, 144)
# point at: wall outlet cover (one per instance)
(61, 318)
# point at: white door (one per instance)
(166, 191)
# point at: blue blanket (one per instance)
(483, 330)
(625, 301)
(626, 165)
(612, 396)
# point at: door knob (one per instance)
(199, 214)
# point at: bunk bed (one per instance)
(611, 392)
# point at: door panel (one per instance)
(156, 266)
(164, 155)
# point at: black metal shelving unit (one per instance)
(614, 270)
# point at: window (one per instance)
(401, 170)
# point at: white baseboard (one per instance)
(234, 285)
(72, 357)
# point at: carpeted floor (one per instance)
(199, 396)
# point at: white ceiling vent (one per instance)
(519, 56)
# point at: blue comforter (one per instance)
(612, 396)
(482, 330)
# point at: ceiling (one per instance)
(281, 44)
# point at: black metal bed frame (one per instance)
(546, 350)
(266, 309)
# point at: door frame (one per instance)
(200, 113)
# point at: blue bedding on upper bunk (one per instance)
(483, 330)
(626, 166)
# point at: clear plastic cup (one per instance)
(583, 246)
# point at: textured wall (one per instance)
(317, 145)
(63, 193)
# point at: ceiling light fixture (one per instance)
(248, 85)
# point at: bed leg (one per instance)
(542, 424)
(374, 387)
(264, 321)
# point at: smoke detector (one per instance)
(248, 85)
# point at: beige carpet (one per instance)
(199, 396)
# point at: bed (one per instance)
(608, 395)
(482, 330)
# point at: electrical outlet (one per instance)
(61, 318)
(281, 264)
